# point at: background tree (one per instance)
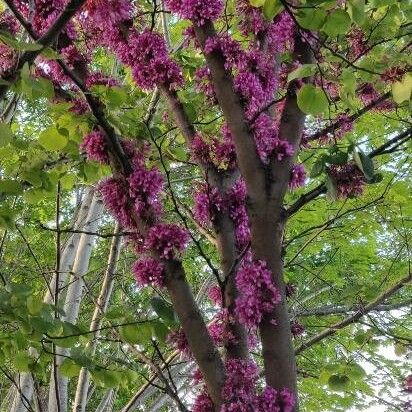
(253, 162)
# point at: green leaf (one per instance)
(338, 382)
(355, 371)
(164, 310)
(22, 361)
(271, 9)
(305, 70)
(52, 140)
(19, 45)
(160, 331)
(34, 305)
(356, 10)
(69, 369)
(10, 186)
(338, 22)
(257, 3)
(312, 19)
(6, 135)
(365, 163)
(312, 100)
(139, 333)
(402, 90)
(317, 167)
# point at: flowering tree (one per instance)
(194, 123)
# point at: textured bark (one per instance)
(24, 394)
(102, 303)
(223, 226)
(70, 248)
(66, 263)
(72, 303)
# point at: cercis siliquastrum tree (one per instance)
(259, 80)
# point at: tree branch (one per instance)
(47, 39)
(356, 316)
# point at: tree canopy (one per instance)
(205, 205)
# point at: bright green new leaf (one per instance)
(69, 369)
(356, 10)
(22, 361)
(10, 186)
(257, 3)
(402, 90)
(19, 45)
(338, 22)
(305, 70)
(271, 9)
(6, 135)
(312, 19)
(140, 333)
(52, 140)
(312, 100)
(34, 305)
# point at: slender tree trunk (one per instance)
(66, 264)
(72, 303)
(103, 300)
(69, 250)
(106, 404)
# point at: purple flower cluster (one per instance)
(177, 339)
(209, 202)
(255, 80)
(272, 400)
(296, 328)
(297, 177)
(257, 293)
(220, 153)
(8, 22)
(203, 402)
(148, 271)
(108, 12)
(95, 146)
(199, 11)
(145, 186)
(268, 142)
(349, 180)
(150, 61)
(239, 391)
(219, 329)
(168, 240)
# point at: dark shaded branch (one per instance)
(46, 40)
(356, 316)
(321, 188)
(338, 310)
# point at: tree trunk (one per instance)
(103, 300)
(72, 303)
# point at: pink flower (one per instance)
(114, 193)
(148, 271)
(215, 295)
(296, 328)
(297, 177)
(203, 402)
(349, 180)
(198, 11)
(151, 64)
(95, 146)
(257, 293)
(167, 240)
(178, 340)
